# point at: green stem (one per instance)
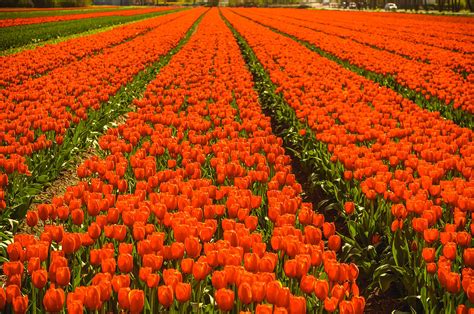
(152, 296)
(33, 301)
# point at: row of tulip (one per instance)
(432, 80)
(192, 206)
(375, 34)
(45, 164)
(402, 185)
(19, 67)
(448, 32)
(70, 17)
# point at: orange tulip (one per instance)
(463, 239)
(420, 224)
(321, 289)
(349, 207)
(63, 276)
(330, 304)
(468, 257)
(431, 235)
(92, 299)
(20, 304)
(39, 278)
(358, 304)
(32, 218)
(273, 289)
(245, 293)
(290, 268)
(120, 281)
(12, 291)
(428, 254)
(153, 280)
(136, 299)
(225, 299)
(449, 250)
(125, 263)
(193, 247)
(258, 291)
(346, 307)
(334, 243)
(3, 298)
(219, 279)
(297, 305)
(165, 296)
(283, 299)
(264, 309)
(53, 300)
(183, 292)
(200, 270)
(453, 282)
(187, 265)
(123, 298)
(307, 284)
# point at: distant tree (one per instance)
(469, 5)
(40, 3)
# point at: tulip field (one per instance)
(237, 160)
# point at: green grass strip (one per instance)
(17, 36)
(46, 165)
(458, 116)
